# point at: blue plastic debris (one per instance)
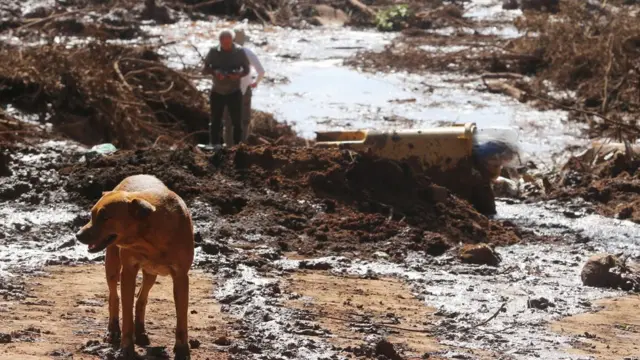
(496, 146)
(493, 148)
(99, 150)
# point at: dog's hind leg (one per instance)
(142, 339)
(112, 269)
(181, 299)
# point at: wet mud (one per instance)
(261, 218)
(305, 253)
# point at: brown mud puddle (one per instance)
(612, 333)
(353, 308)
(68, 308)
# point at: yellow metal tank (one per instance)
(442, 147)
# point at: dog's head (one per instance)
(115, 216)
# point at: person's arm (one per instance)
(207, 69)
(255, 62)
(246, 66)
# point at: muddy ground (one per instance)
(304, 253)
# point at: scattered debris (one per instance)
(607, 176)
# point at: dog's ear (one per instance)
(140, 209)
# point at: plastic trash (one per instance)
(496, 146)
(99, 150)
(104, 149)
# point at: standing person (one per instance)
(228, 63)
(247, 83)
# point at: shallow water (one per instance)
(313, 91)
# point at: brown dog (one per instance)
(143, 225)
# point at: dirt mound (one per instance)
(103, 93)
(310, 200)
(612, 186)
(265, 129)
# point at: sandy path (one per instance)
(68, 308)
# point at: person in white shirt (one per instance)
(247, 83)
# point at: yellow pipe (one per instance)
(443, 147)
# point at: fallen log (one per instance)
(362, 8)
(501, 87)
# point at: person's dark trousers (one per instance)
(233, 103)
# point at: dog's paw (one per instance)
(142, 339)
(113, 337)
(182, 352)
(127, 353)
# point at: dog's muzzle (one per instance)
(95, 246)
(83, 237)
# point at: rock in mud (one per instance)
(385, 348)
(61, 354)
(539, 5)
(606, 271)
(540, 303)
(596, 272)
(481, 254)
(194, 343)
(5, 338)
(159, 352)
(222, 341)
(376, 348)
(5, 170)
(215, 248)
(503, 187)
(315, 265)
(625, 212)
(157, 12)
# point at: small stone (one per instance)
(194, 343)
(222, 341)
(381, 255)
(481, 254)
(625, 213)
(5, 338)
(541, 303)
(385, 348)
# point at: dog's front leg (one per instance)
(181, 299)
(128, 289)
(112, 267)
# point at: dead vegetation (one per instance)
(608, 176)
(102, 93)
(593, 52)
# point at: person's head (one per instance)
(240, 36)
(226, 39)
